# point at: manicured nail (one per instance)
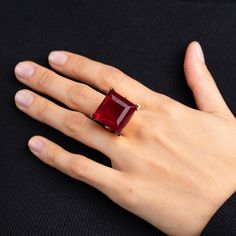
(57, 57)
(199, 53)
(36, 144)
(24, 70)
(24, 98)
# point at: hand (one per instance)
(174, 166)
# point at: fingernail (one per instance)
(24, 98)
(58, 58)
(24, 70)
(36, 144)
(199, 53)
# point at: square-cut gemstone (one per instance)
(114, 112)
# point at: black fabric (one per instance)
(224, 220)
(145, 39)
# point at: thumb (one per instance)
(207, 95)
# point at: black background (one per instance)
(145, 39)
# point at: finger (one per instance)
(77, 166)
(98, 75)
(75, 95)
(203, 86)
(71, 123)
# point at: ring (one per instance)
(114, 112)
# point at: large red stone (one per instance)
(114, 112)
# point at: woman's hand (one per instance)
(174, 166)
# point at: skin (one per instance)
(174, 170)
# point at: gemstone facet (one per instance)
(114, 112)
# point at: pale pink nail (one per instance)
(23, 98)
(199, 53)
(24, 70)
(36, 144)
(57, 57)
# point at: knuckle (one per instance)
(175, 112)
(170, 109)
(79, 94)
(153, 164)
(53, 154)
(143, 130)
(79, 167)
(112, 75)
(140, 128)
(165, 100)
(157, 101)
(44, 80)
(79, 62)
(42, 108)
(74, 124)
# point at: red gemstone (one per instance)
(114, 112)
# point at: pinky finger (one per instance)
(77, 166)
